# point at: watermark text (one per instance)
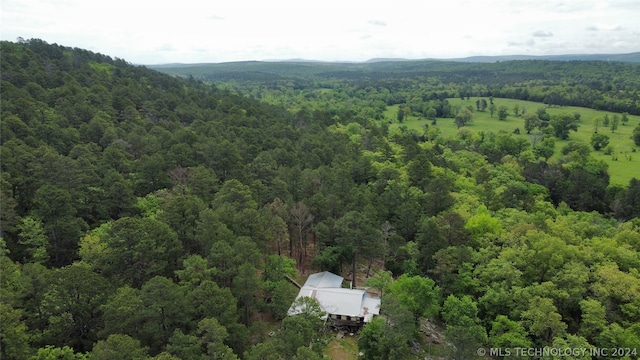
(550, 352)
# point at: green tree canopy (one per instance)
(418, 294)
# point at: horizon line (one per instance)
(383, 59)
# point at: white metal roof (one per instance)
(327, 289)
(324, 279)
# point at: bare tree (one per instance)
(276, 226)
(301, 221)
(386, 232)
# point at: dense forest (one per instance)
(149, 216)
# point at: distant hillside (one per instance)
(628, 58)
(221, 71)
(607, 82)
(305, 68)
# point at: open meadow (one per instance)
(624, 160)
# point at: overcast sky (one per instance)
(190, 31)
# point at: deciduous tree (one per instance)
(531, 122)
(543, 321)
(418, 294)
(32, 236)
(72, 305)
(503, 112)
(593, 319)
(301, 329)
(59, 353)
(137, 249)
(119, 347)
(562, 124)
(599, 141)
(122, 313)
(15, 334)
(506, 333)
(463, 326)
(463, 117)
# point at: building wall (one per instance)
(345, 320)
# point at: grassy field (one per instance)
(342, 349)
(624, 162)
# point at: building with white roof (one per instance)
(343, 307)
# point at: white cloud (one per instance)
(377, 22)
(146, 31)
(605, 27)
(542, 33)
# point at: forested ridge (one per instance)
(145, 216)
